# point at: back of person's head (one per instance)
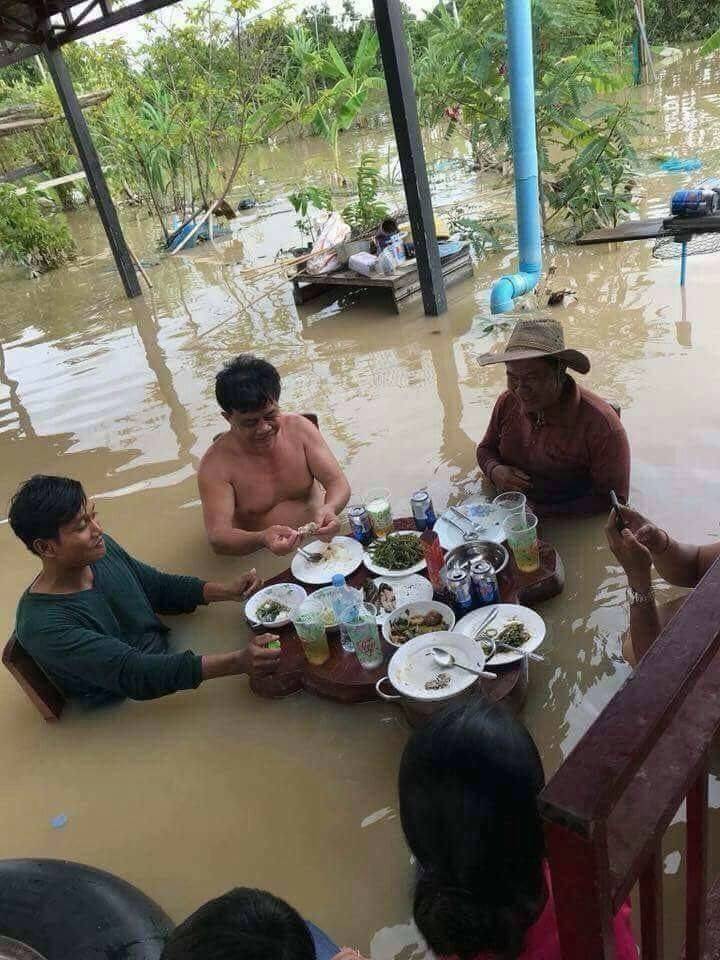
(468, 785)
(243, 924)
(42, 505)
(246, 384)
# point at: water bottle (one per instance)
(344, 600)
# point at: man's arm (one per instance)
(108, 663)
(488, 451)
(325, 468)
(218, 503)
(504, 477)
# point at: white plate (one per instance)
(477, 509)
(412, 665)
(291, 594)
(406, 590)
(383, 571)
(533, 622)
(348, 555)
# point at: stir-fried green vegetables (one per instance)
(396, 553)
(514, 634)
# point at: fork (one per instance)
(310, 555)
(511, 649)
(485, 624)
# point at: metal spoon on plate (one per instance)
(445, 659)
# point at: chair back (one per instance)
(38, 687)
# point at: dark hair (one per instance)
(243, 924)
(469, 781)
(247, 383)
(42, 505)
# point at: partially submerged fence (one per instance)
(608, 806)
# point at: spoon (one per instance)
(444, 658)
(311, 556)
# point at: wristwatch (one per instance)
(638, 599)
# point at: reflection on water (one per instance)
(193, 794)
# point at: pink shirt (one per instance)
(542, 941)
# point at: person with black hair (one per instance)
(247, 924)
(271, 474)
(468, 784)
(89, 619)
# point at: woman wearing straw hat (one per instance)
(555, 441)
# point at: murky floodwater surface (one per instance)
(190, 795)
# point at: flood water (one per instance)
(201, 791)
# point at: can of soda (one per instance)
(460, 587)
(360, 524)
(422, 510)
(484, 582)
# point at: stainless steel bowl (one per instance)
(494, 553)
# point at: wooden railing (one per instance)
(608, 806)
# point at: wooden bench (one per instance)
(38, 687)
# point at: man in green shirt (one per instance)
(90, 617)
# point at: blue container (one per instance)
(694, 203)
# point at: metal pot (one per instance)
(494, 553)
(411, 666)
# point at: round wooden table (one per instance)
(341, 677)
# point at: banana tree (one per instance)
(340, 104)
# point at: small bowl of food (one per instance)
(414, 619)
(494, 553)
(273, 606)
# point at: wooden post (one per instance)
(403, 107)
(91, 164)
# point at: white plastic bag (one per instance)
(324, 257)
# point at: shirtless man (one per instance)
(265, 477)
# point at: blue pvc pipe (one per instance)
(518, 19)
(683, 264)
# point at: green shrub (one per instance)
(30, 235)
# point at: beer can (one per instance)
(484, 582)
(422, 510)
(360, 524)
(460, 587)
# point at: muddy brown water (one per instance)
(192, 794)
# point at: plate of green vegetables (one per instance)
(396, 555)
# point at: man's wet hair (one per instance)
(42, 505)
(243, 924)
(246, 384)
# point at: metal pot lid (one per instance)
(412, 667)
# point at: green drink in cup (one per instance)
(377, 504)
(310, 627)
(521, 530)
(362, 630)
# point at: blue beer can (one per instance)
(422, 510)
(484, 582)
(460, 586)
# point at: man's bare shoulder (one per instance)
(213, 464)
(298, 425)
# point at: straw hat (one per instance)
(531, 339)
